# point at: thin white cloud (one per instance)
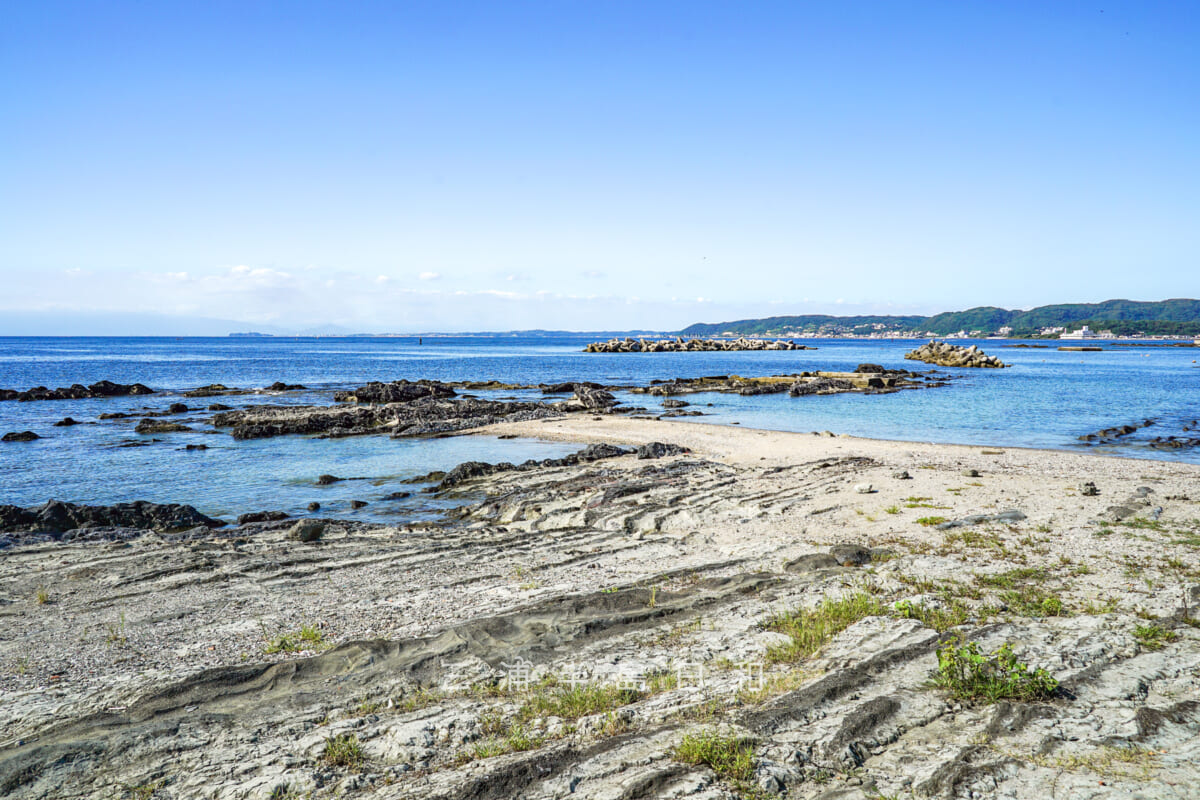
(430, 276)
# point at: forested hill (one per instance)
(1123, 317)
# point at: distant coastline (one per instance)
(1113, 319)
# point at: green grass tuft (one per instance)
(343, 750)
(309, 637)
(731, 758)
(1154, 637)
(976, 677)
(811, 629)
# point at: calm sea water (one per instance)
(1046, 400)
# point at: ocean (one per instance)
(1047, 399)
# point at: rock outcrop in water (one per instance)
(882, 382)
(422, 416)
(681, 345)
(945, 354)
(76, 391)
(402, 391)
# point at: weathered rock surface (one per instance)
(19, 436)
(261, 516)
(425, 415)
(659, 450)
(307, 530)
(56, 517)
(681, 345)
(149, 425)
(588, 398)
(797, 385)
(471, 470)
(395, 392)
(148, 664)
(945, 354)
(76, 391)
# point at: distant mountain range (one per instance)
(1177, 317)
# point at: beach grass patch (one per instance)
(116, 632)
(1141, 523)
(1012, 578)
(1154, 637)
(308, 637)
(811, 629)
(417, 699)
(42, 595)
(976, 677)
(930, 521)
(730, 757)
(1131, 763)
(343, 750)
(573, 702)
(940, 618)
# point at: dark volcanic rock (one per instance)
(220, 407)
(76, 391)
(869, 368)
(594, 399)
(470, 470)
(810, 562)
(819, 386)
(149, 425)
(66, 422)
(850, 555)
(357, 504)
(395, 392)
(325, 480)
(212, 390)
(19, 436)
(261, 516)
(57, 517)
(425, 415)
(177, 408)
(659, 450)
(307, 530)
(280, 386)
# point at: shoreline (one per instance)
(625, 430)
(226, 665)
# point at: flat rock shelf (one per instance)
(619, 626)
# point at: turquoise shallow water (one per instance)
(1046, 400)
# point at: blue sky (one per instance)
(602, 165)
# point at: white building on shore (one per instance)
(1087, 333)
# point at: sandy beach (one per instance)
(581, 631)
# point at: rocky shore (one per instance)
(750, 614)
(944, 354)
(866, 379)
(76, 391)
(682, 345)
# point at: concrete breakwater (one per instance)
(681, 345)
